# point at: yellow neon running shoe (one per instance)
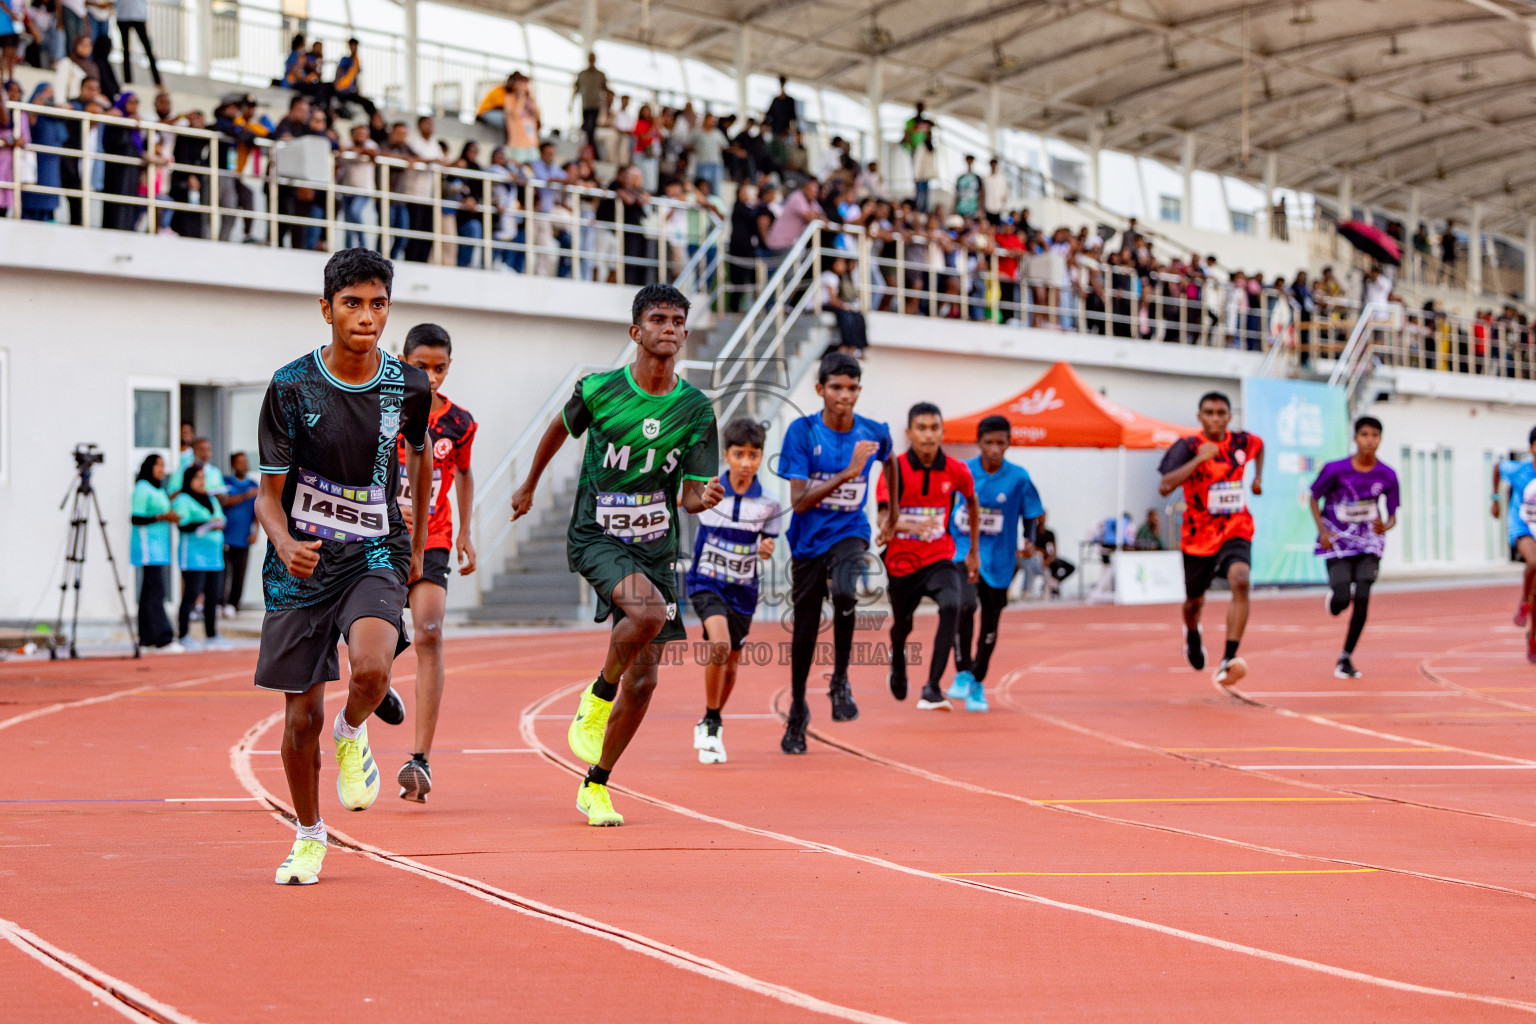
(592, 800)
(589, 726)
(303, 864)
(357, 777)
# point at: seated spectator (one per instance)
(345, 88)
(1114, 533)
(1149, 535)
(839, 295)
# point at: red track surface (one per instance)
(1114, 841)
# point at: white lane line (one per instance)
(1383, 767)
(1351, 693)
(115, 993)
(115, 695)
(209, 799)
(531, 737)
(633, 941)
(497, 750)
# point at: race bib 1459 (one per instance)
(333, 511)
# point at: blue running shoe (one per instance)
(961, 688)
(976, 700)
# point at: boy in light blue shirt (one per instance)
(1008, 500)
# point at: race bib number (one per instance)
(1363, 511)
(848, 496)
(727, 561)
(920, 522)
(1225, 498)
(991, 520)
(634, 518)
(404, 494)
(334, 512)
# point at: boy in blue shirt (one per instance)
(826, 459)
(1007, 498)
(722, 582)
(1521, 477)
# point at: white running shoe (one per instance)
(1228, 674)
(709, 744)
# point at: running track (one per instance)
(1114, 841)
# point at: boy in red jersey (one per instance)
(451, 433)
(1217, 534)
(919, 551)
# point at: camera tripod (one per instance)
(85, 502)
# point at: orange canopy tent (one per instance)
(1060, 410)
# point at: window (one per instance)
(151, 419)
(1428, 500)
(1242, 223)
(1170, 208)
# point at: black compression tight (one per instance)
(1351, 579)
(835, 572)
(992, 602)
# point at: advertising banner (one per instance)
(1303, 425)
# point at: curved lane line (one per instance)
(240, 763)
(1206, 940)
(115, 993)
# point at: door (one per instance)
(154, 415)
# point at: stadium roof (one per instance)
(1429, 94)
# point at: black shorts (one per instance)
(707, 603)
(10, 39)
(935, 580)
(434, 567)
(604, 563)
(298, 645)
(1200, 570)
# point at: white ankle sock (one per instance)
(315, 831)
(343, 731)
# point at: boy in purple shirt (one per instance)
(1346, 505)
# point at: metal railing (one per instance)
(490, 219)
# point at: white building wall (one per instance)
(73, 341)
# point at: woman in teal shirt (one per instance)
(150, 550)
(201, 553)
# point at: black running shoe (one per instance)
(932, 699)
(1194, 649)
(415, 780)
(391, 710)
(1345, 669)
(794, 731)
(898, 686)
(843, 707)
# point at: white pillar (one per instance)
(1529, 294)
(412, 70)
(743, 60)
(875, 96)
(1347, 196)
(1271, 174)
(1187, 203)
(588, 26)
(1413, 260)
(1475, 252)
(204, 62)
(1415, 211)
(1095, 148)
(994, 110)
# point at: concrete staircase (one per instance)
(535, 586)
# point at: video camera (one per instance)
(86, 456)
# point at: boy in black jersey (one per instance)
(341, 556)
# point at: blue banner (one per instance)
(1303, 425)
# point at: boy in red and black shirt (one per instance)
(450, 435)
(919, 551)
(1217, 534)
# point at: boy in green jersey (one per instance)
(649, 435)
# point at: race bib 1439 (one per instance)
(991, 520)
(333, 511)
(404, 494)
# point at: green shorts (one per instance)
(604, 563)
